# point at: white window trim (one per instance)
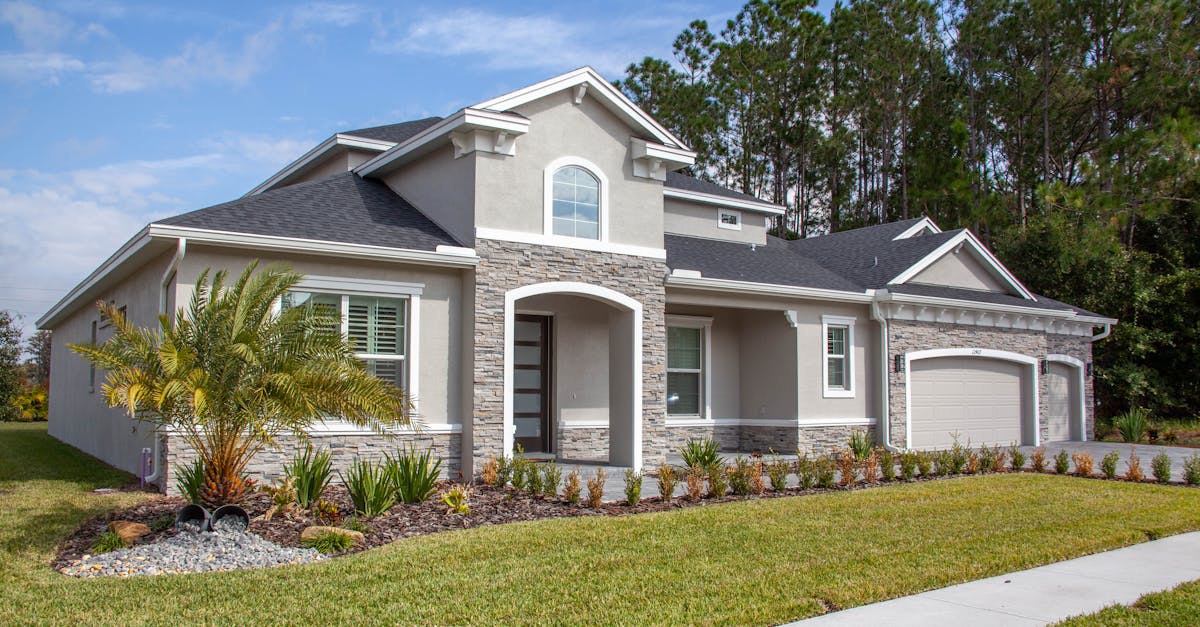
(548, 196)
(705, 323)
(848, 369)
(732, 227)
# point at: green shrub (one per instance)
(283, 497)
(1132, 424)
(370, 488)
(959, 457)
(739, 476)
(1062, 462)
(189, 479)
(1161, 467)
(806, 472)
(595, 488)
(108, 541)
(1108, 465)
(666, 481)
(504, 471)
(887, 465)
(533, 479)
(1016, 457)
(572, 488)
(311, 472)
(860, 444)
(413, 475)
(942, 462)
(908, 465)
(718, 481)
(777, 471)
(924, 463)
(701, 454)
(825, 471)
(520, 472)
(551, 479)
(633, 487)
(1191, 469)
(330, 542)
(987, 458)
(161, 523)
(456, 499)
(354, 524)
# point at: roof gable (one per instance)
(964, 239)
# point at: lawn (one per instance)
(762, 561)
(1180, 606)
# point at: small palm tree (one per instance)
(232, 373)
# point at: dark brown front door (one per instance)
(531, 383)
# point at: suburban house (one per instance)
(535, 271)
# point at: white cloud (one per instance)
(43, 67)
(264, 150)
(35, 27)
(327, 14)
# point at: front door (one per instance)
(531, 383)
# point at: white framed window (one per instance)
(837, 369)
(576, 202)
(689, 366)
(729, 219)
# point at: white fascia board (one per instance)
(597, 86)
(314, 247)
(723, 201)
(924, 224)
(464, 119)
(314, 155)
(129, 249)
(965, 238)
(676, 157)
(765, 289)
(934, 301)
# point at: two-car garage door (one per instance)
(979, 399)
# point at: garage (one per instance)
(982, 400)
(1062, 402)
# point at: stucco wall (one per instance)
(697, 220)
(441, 187)
(960, 269)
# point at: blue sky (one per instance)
(113, 114)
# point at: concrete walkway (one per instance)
(1042, 595)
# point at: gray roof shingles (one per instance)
(684, 182)
(339, 208)
(394, 133)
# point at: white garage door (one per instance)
(1062, 402)
(979, 399)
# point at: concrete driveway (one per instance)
(1144, 451)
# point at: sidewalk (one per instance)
(1040, 595)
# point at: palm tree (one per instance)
(233, 372)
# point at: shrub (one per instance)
(504, 471)
(695, 483)
(490, 474)
(908, 465)
(1017, 457)
(310, 471)
(572, 488)
(666, 481)
(1132, 424)
(739, 476)
(718, 481)
(108, 541)
(777, 471)
(1083, 463)
(958, 458)
(870, 468)
(1161, 467)
(1133, 467)
(595, 488)
(354, 524)
(887, 465)
(847, 466)
(370, 488)
(998, 459)
(1062, 462)
(283, 497)
(327, 511)
(457, 499)
(942, 462)
(1170, 436)
(633, 487)
(1191, 469)
(701, 454)
(188, 480)
(825, 470)
(520, 468)
(533, 479)
(551, 478)
(806, 472)
(758, 484)
(330, 542)
(413, 475)
(974, 461)
(860, 444)
(1108, 465)
(924, 463)
(1037, 460)
(987, 458)
(161, 523)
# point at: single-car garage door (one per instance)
(977, 398)
(1062, 402)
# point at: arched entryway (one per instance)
(547, 365)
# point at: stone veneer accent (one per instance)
(582, 444)
(785, 439)
(505, 266)
(906, 336)
(268, 465)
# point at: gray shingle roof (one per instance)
(869, 256)
(776, 263)
(394, 133)
(338, 208)
(684, 182)
(941, 291)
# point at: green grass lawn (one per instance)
(758, 562)
(1180, 606)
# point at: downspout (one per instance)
(1103, 334)
(167, 282)
(885, 418)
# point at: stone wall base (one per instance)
(784, 439)
(583, 444)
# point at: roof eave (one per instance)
(317, 154)
(757, 206)
(468, 118)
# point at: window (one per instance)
(375, 326)
(687, 366)
(838, 368)
(576, 203)
(728, 219)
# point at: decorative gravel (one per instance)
(229, 547)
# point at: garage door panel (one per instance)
(979, 399)
(1062, 402)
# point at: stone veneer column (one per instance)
(906, 336)
(504, 266)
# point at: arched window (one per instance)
(576, 203)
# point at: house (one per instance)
(536, 272)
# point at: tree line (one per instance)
(1062, 132)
